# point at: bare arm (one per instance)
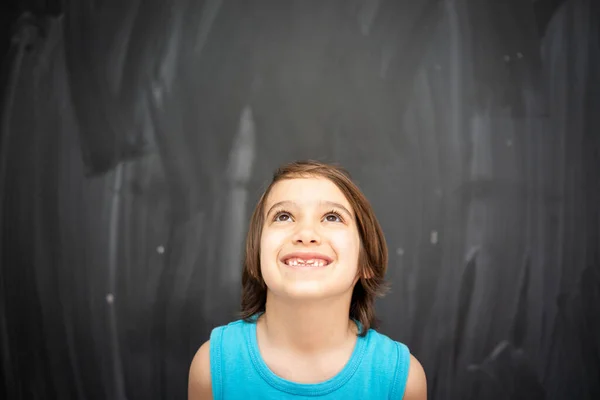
(199, 383)
(416, 385)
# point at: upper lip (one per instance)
(307, 256)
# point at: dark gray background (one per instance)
(137, 136)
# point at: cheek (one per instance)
(347, 246)
(264, 248)
(269, 243)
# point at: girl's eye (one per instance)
(282, 216)
(333, 217)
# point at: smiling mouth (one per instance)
(300, 262)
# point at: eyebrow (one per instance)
(323, 203)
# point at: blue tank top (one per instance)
(377, 369)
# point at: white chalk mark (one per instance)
(209, 14)
(366, 15)
(239, 172)
(387, 53)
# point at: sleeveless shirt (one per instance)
(377, 369)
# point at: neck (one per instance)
(308, 327)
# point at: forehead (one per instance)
(306, 191)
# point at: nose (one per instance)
(306, 234)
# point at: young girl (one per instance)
(315, 261)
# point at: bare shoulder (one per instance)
(416, 384)
(199, 382)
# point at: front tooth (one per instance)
(315, 262)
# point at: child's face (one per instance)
(310, 242)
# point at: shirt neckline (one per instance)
(304, 389)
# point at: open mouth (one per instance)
(308, 260)
(298, 262)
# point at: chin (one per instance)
(308, 291)
(305, 293)
(298, 291)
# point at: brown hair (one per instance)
(373, 256)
